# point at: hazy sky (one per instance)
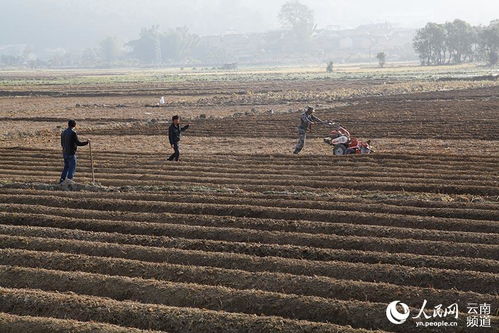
(76, 23)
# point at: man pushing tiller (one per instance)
(306, 120)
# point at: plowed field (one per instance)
(250, 238)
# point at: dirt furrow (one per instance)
(10, 323)
(278, 213)
(480, 282)
(316, 242)
(238, 279)
(463, 186)
(230, 168)
(406, 162)
(148, 316)
(259, 249)
(102, 170)
(264, 185)
(385, 157)
(414, 168)
(394, 200)
(270, 201)
(316, 309)
(152, 223)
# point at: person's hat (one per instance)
(310, 109)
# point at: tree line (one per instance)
(152, 46)
(436, 44)
(178, 46)
(457, 42)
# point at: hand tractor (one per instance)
(344, 144)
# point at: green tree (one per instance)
(329, 67)
(110, 49)
(421, 44)
(488, 39)
(299, 19)
(178, 44)
(154, 47)
(147, 49)
(381, 56)
(89, 58)
(459, 40)
(10, 60)
(430, 44)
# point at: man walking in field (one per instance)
(70, 143)
(174, 134)
(307, 119)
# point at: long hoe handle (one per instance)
(92, 162)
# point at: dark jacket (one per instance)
(174, 133)
(306, 120)
(70, 142)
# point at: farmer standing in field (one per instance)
(307, 119)
(69, 143)
(174, 134)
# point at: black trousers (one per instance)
(176, 154)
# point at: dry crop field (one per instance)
(241, 235)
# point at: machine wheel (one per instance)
(340, 149)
